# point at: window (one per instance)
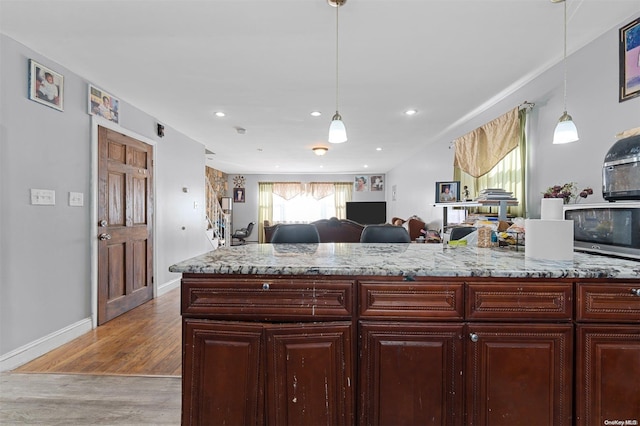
(302, 208)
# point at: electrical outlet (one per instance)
(43, 197)
(76, 199)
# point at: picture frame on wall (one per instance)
(376, 182)
(238, 195)
(103, 104)
(629, 49)
(448, 192)
(46, 86)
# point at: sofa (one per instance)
(332, 230)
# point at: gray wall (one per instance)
(45, 251)
(592, 100)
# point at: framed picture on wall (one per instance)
(377, 183)
(46, 86)
(238, 195)
(103, 104)
(629, 60)
(447, 192)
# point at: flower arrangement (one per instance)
(568, 192)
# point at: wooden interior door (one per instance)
(125, 219)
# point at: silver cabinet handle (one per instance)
(635, 291)
(474, 337)
(265, 286)
(103, 237)
(103, 223)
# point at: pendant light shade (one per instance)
(337, 129)
(566, 130)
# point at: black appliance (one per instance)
(621, 170)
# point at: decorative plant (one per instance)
(568, 192)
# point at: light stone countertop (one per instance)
(408, 260)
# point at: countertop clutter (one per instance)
(407, 260)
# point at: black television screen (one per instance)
(367, 212)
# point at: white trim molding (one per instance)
(41, 346)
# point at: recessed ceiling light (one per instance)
(366, 166)
(411, 112)
(316, 113)
(220, 114)
(378, 149)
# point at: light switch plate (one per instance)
(43, 197)
(76, 199)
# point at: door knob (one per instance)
(103, 237)
(103, 223)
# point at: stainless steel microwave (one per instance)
(607, 228)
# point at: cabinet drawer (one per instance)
(267, 299)
(542, 301)
(606, 302)
(402, 300)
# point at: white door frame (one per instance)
(95, 122)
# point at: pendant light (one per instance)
(337, 131)
(566, 130)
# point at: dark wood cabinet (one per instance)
(309, 374)
(267, 351)
(222, 373)
(301, 350)
(410, 373)
(608, 354)
(519, 374)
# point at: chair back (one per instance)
(460, 232)
(384, 234)
(295, 233)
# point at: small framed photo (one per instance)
(46, 86)
(360, 184)
(447, 192)
(377, 183)
(104, 104)
(629, 60)
(238, 195)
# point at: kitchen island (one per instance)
(408, 334)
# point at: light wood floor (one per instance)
(145, 341)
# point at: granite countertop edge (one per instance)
(410, 260)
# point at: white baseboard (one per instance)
(39, 347)
(168, 286)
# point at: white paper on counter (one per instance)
(551, 209)
(549, 239)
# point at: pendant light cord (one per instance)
(565, 55)
(337, 7)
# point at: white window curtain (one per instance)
(343, 193)
(493, 156)
(301, 202)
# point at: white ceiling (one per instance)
(269, 63)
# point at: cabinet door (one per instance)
(410, 373)
(608, 374)
(222, 373)
(519, 374)
(309, 374)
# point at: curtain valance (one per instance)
(317, 190)
(480, 150)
